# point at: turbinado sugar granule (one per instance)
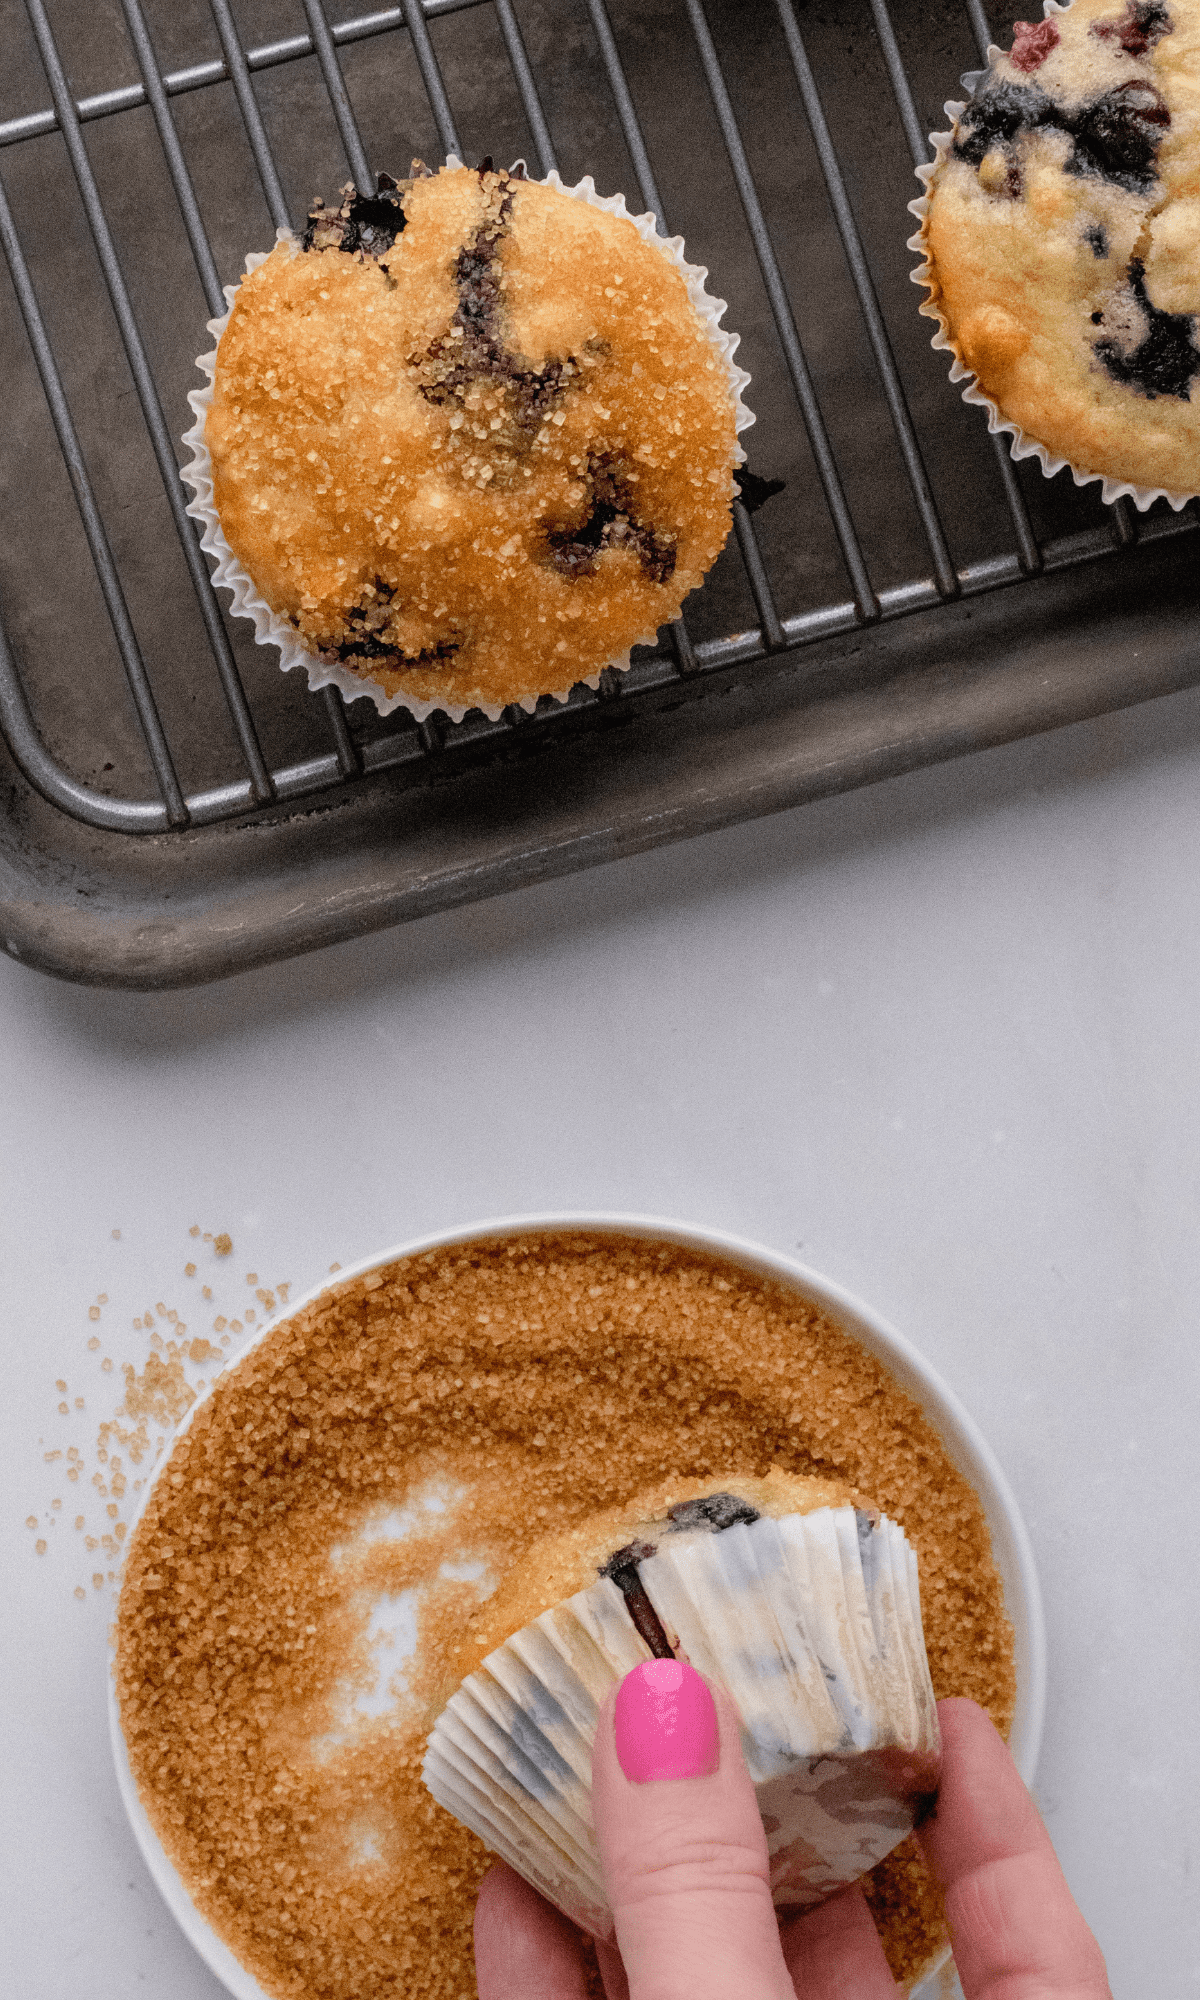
(142, 1409)
(474, 1397)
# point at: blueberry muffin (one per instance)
(1062, 238)
(470, 438)
(792, 1594)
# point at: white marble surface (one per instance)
(939, 1037)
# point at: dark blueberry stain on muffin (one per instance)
(996, 116)
(610, 523)
(621, 1568)
(379, 653)
(1119, 135)
(366, 635)
(1096, 239)
(369, 224)
(714, 1510)
(627, 1558)
(385, 653)
(1166, 360)
(473, 350)
(1116, 137)
(1141, 25)
(488, 166)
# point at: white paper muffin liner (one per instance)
(812, 1625)
(271, 628)
(1021, 445)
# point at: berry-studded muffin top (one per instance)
(470, 436)
(1063, 237)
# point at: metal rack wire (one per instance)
(345, 758)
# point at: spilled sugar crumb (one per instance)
(364, 1472)
(160, 1392)
(152, 1394)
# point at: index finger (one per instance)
(1017, 1932)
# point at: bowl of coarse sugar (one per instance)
(331, 1513)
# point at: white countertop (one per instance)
(938, 1038)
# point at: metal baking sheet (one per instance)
(174, 809)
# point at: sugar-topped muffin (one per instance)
(1063, 238)
(470, 437)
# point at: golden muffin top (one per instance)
(470, 436)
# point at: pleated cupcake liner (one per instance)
(1021, 445)
(812, 1626)
(271, 628)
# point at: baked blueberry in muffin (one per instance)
(470, 436)
(1062, 238)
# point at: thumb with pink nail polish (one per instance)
(665, 1723)
(681, 1843)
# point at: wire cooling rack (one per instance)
(897, 507)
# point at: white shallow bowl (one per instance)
(964, 1443)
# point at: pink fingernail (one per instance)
(665, 1723)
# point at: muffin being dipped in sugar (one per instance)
(792, 1594)
(470, 439)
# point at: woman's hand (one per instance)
(685, 1865)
